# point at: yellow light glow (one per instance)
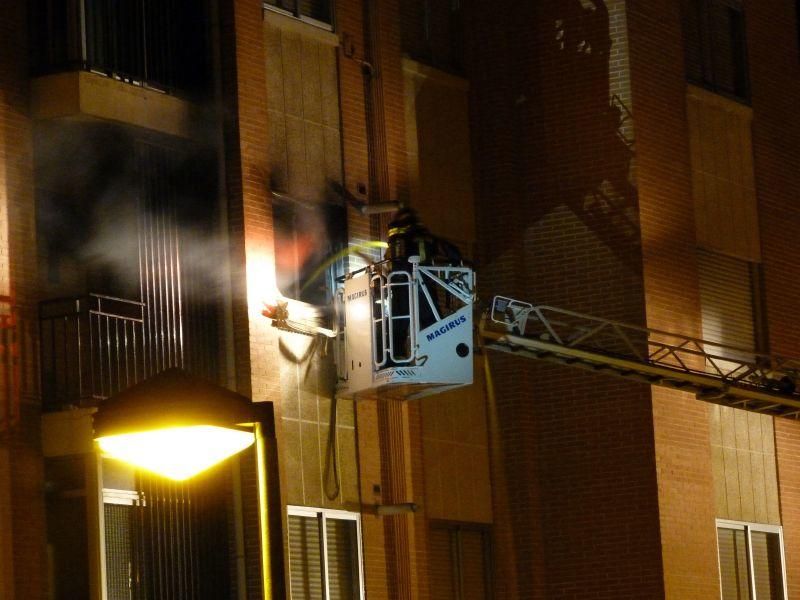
(177, 452)
(261, 285)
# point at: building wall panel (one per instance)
(672, 300)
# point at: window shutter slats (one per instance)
(342, 556)
(733, 564)
(726, 299)
(305, 558)
(767, 575)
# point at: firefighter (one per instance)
(409, 237)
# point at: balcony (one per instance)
(141, 62)
(91, 348)
(158, 44)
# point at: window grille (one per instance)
(166, 539)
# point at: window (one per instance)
(433, 33)
(324, 554)
(731, 302)
(309, 244)
(164, 538)
(751, 564)
(317, 11)
(716, 56)
(797, 20)
(459, 561)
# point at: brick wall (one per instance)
(17, 255)
(681, 427)
(375, 163)
(774, 60)
(251, 236)
(787, 448)
(575, 486)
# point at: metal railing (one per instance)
(160, 44)
(91, 347)
(406, 302)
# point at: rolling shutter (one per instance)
(733, 564)
(726, 300)
(341, 539)
(305, 558)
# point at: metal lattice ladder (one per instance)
(715, 372)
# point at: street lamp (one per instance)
(177, 425)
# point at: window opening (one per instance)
(751, 561)
(460, 566)
(715, 47)
(309, 250)
(324, 554)
(317, 12)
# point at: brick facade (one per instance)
(21, 499)
(775, 81)
(582, 175)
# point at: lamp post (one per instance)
(177, 426)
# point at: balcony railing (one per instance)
(91, 348)
(160, 44)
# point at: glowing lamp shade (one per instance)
(177, 452)
(176, 425)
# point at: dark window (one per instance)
(315, 10)
(433, 32)
(309, 249)
(716, 55)
(797, 20)
(459, 565)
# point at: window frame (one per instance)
(708, 56)
(322, 515)
(285, 211)
(455, 529)
(296, 14)
(748, 527)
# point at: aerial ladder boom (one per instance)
(409, 334)
(715, 372)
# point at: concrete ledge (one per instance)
(84, 94)
(418, 69)
(68, 432)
